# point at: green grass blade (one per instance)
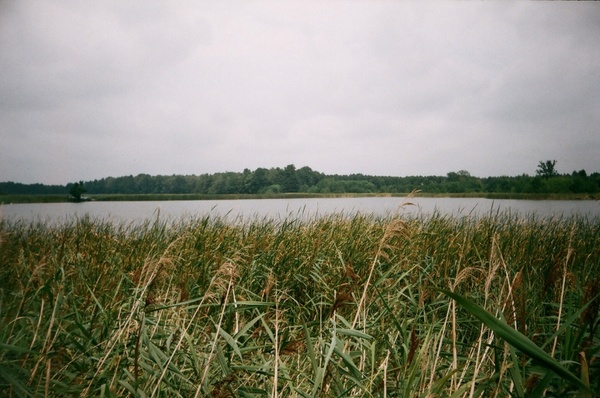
(540, 388)
(231, 341)
(15, 349)
(517, 339)
(353, 372)
(14, 377)
(568, 322)
(354, 333)
(310, 350)
(243, 332)
(321, 370)
(515, 369)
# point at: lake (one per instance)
(128, 212)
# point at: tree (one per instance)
(258, 180)
(77, 189)
(290, 182)
(546, 169)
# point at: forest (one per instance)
(290, 179)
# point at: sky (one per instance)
(92, 89)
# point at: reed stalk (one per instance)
(340, 305)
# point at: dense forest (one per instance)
(305, 180)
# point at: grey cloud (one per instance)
(391, 88)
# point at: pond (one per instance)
(128, 212)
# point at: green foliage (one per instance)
(15, 188)
(333, 306)
(547, 169)
(305, 180)
(520, 341)
(76, 190)
(292, 180)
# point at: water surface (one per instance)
(127, 212)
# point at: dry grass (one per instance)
(333, 306)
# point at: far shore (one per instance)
(12, 199)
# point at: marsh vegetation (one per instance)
(340, 305)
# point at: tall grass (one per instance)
(341, 305)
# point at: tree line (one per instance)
(305, 180)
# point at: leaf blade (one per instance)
(516, 339)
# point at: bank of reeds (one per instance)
(334, 306)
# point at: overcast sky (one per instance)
(91, 89)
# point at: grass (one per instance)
(335, 306)
(13, 198)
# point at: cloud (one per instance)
(96, 89)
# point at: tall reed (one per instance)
(341, 305)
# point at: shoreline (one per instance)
(19, 199)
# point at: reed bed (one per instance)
(335, 306)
